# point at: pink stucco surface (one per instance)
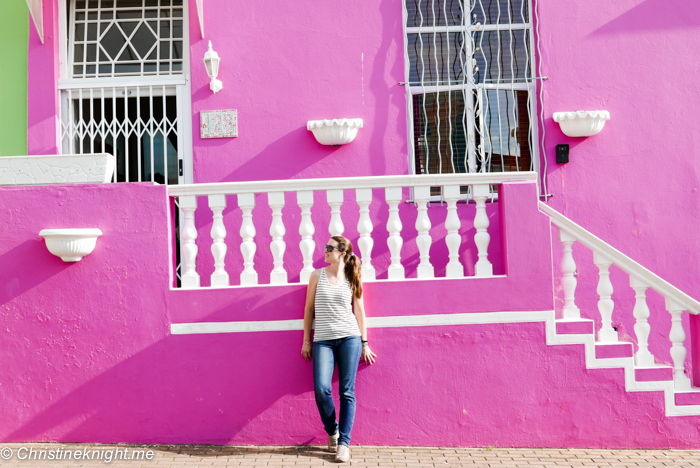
(42, 79)
(87, 349)
(87, 354)
(285, 64)
(634, 185)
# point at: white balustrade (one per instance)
(568, 271)
(277, 231)
(606, 334)
(421, 195)
(364, 228)
(189, 278)
(335, 199)
(641, 279)
(305, 200)
(217, 203)
(643, 358)
(678, 351)
(246, 201)
(394, 226)
(393, 187)
(481, 223)
(453, 240)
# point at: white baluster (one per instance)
(678, 351)
(421, 195)
(305, 200)
(482, 238)
(364, 227)
(217, 203)
(568, 275)
(335, 199)
(249, 277)
(643, 358)
(277, 231)
(190, 278)
(393, 225)
(606, 334)
(453, 239)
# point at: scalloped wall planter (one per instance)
(57, 169)
(581, 123)
(334, 132)
(70, 244)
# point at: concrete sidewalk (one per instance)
(91, 455)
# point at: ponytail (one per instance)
(353, 270)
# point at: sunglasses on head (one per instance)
(330, 248)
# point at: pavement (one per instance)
(115, 456)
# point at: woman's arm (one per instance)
(367, 353)
(309, 313)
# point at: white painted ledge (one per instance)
(57, 169)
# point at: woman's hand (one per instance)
(306, 351)
(368, 355)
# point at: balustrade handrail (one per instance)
(621, 260)
(347, 183)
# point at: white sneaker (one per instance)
(343, 454)
(333, 442)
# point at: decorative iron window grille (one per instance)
(470, 86)
(127, 86)
(126, 37)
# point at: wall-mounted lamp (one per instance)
(211, 61)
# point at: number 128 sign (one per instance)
(218, 124)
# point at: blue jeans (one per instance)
(346, 352)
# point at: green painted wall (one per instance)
(14, 37)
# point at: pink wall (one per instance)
(635, 184)
(88, 355)
(632, 185)
(285, 64)
(42, 80)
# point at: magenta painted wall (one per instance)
(42, 81)
(636, 184)
(87, 354)
(285, 64)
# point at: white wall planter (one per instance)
(334, 132)
(57, 169)
(70, 244)
(581, 123)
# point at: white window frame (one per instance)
(180, 81)
(468, 29)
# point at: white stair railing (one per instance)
(641, 279)
(393, 195)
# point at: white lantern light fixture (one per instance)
(211, 61)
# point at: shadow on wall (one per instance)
(381, 79)
(284, 158)
(18, 277)
(655, 14)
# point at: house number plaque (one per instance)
(218, 124)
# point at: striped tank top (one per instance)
(333, 310)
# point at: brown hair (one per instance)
(353, 272)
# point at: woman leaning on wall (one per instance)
(340, 337)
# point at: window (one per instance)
(470, 86)
(126, 92)
(126, 37)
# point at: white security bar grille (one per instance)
(126, 37)
(137, 124)
(470, 86)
